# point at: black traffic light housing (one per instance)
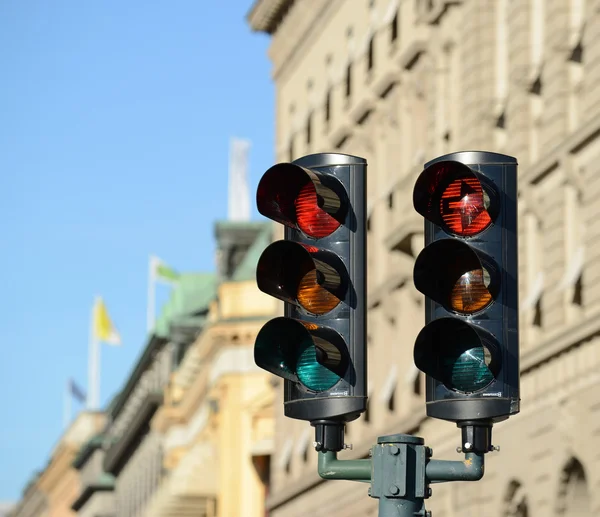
(468, 272)
(319, 271)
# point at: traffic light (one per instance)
(468, 272)
(319, 271)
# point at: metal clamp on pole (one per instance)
(399, 480)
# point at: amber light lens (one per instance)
(463, 207)
(312, 219)
(470, 293)
(313, 297)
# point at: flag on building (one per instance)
(158, 272)
(72, 391)
(76, 392)
(161, 272)
(103, 328)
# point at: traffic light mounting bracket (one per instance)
(400, 469)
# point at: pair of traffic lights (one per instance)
(467, 271)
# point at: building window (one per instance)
(370, 54)
(291, 150)
(578, 292)
(309, 129)
(574, 495)
(515, 501)
(391, 405)
(417, 384)
(328, 105)
(349, 80)
(572, 281)
(394, 28)
(537, 111)
(285, 460)
(388, 392)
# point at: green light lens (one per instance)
(269, 355)
(310, 372)
(465, 365)
(300, 351)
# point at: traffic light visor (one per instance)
(301, 351)
(303, 275)
(453, 196)
(301, 198)
(461, 356)
(456, 276)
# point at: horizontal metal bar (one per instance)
(471, 469)
(332, 468)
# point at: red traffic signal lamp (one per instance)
(319, 271)
(468, 272)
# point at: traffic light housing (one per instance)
(468, 272)
(319, 271)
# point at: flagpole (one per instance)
(93, 365)
(151, 308)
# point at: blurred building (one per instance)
(400, 82)
(191, 431)
(33, 501)
(51, 492)
(97, 487)
(5, 509)
(217, 418)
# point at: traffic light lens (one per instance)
(312, 219)
(470, 292)
(313, 297)
(464, 207)
(310, 371)
(465, 364)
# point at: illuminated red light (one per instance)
(463, 207)
(312, 219)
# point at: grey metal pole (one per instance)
(471, 469)
(332, 468)
(400, 471)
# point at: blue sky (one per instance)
(115, 125)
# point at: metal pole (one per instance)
(400, 471)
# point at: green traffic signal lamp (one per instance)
(302, 352)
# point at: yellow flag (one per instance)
(104, 330)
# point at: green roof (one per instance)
(191, 296)
(247, 268)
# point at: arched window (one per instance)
(515, 501)
(573, 492)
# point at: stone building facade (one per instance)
(401, 82)
(33, 502)
(217, 419)
(52, 491)
(133, 447)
